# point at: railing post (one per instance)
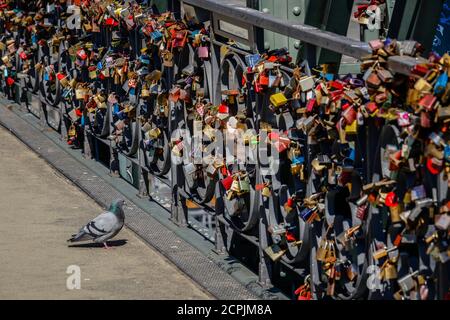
(220, 229)
(265, 265)
(144, 188)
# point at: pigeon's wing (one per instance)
(102, 225)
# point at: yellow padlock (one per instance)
(423, 86)
(278, 99)
(352, 128)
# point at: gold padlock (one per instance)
(154, 133)
(322, 250)
(266, 192)
(72, 132)
(275, 252)
(395, 213)
(295, 169)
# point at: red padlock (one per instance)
(434, 166)
(310, 105)
(290, 203)
(273, 136)
(227, 182)
(78, 112)
(290, 237)
(371, 107)
(60, 76)
(391, 199)
(110, 22)
(10, 81)
(263, 79)
(223, 108)
(82, 54)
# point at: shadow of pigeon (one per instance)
(113, 243)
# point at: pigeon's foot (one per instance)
(106, 245)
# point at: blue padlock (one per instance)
(154, 89)
(116, 108)
(329, 76)
(46, 77)
(298, 160)
(441, 83)
(144, 59)
(156, 36)
(447, 153)
(305, 214)
(352, 155)
(252, 59)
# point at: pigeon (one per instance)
(104, 227)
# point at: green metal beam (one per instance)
(416, 20)
(336, 20)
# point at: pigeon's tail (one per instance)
(80, 236)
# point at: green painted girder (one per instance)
(416, 20)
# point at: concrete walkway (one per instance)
(39, 210)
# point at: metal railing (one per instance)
(201, 202)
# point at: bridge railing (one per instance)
(135, 133)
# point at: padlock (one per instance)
(203, 52)
(244, 184)
(306, 83)
(385, 75)
(308, 214)
(395, 212)
(423, 86)
(168, 59)
(381, 253)
(289, 205)
(389, 270)
(263, 80)
(266, 192)
(373, 80)
(322, 250)
(227, 182)
(278, 100)
(441, 84)
(252, 59)
(211, 170)
(178, 149)
(154, 133)
(407, 283)
(274, 252)
(331, 253)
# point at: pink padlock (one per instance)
(203, 52)
(403, 119)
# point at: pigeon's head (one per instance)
(119, 203)
(116, 205)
